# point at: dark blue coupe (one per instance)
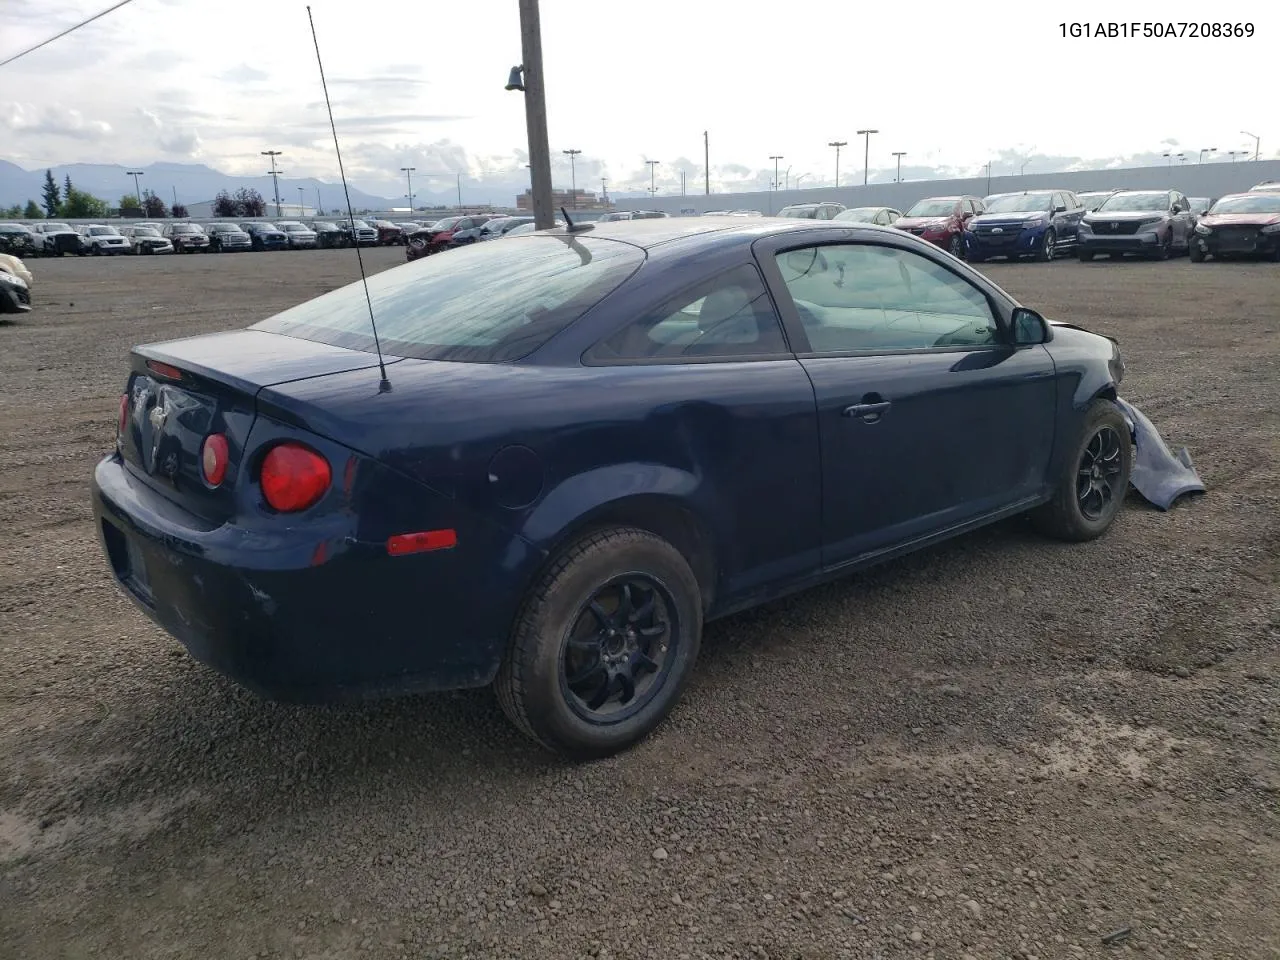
(593, 442)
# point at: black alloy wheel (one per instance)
(1099, 473)
(618, 652)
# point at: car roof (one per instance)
(698, 230)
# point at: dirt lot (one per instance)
(999, 748)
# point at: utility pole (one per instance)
(175, 196)
(653, 191)
(604, 192)
(1023, 169)
(459, 176)
(535, 112)
(408, 178)
(838, 144)
(866, 152)
(775, 158)
(300, 203)
(573, 177)
(988, 165)
(683, 182)
(899, 154)
(706, 160)
(319, 208)
(137, 191)
(274, 175)
(1257, 143)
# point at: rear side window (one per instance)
(484, 303)
(729, 316)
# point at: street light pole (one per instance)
(573, 177)
(300, 204)
(775, 158)
(408, 177)
(535, 106)
(706, 161)
(866, 153)
(1206, 150)
(837, 144)
(604, 191)
(1023, 169)
(459, 176)
(899, 154)
(988, 166)
(275, 182)
(136, 190)
(1257, 143)
(653, 191)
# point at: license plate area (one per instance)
(127, 561)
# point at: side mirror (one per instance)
(1029, 328)
(1059, 209)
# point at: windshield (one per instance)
(859, 214)
(1251, 203)
(50, 227)
(361, 225)
(146, 232)
(800, 213)
(1134, 202)
(292, 227)
(1092, 200)
(103, 232)
(186, 228)
(932, 208)
(1020, 203)
(446, 223)
(485, 303)
(12, 228)
(225, 228)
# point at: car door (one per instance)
(929, 418)
(1182, 221)
(1073, 210)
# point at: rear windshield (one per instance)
(484, 303)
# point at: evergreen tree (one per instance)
(52, 195)
(33, 211)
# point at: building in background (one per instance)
(572, 199)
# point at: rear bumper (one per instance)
(312, 617)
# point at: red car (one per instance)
(439, 235)
(941, 220)
(1239, 225)
(389, 234)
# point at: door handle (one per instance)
(868, 412)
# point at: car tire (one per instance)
(1104, 449)
(1048, 246)
(1164, 251)
(1084, 256)
(577, 612)
(955, 246)
(1195, 254)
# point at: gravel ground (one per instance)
(999, 748)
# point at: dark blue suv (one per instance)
(1035, 223)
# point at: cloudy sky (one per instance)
(420, 83)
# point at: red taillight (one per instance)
(421, 542)
(294, 477)
(213, 459)
(123, 422)
(166, 370)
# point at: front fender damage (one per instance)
(1158, 474)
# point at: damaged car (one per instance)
(15, 295)
(1239, 225)
(614, 410)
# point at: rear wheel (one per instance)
(603, 645)
(1094, 478)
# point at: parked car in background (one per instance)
(360, 233)
(1036, 223)
(408, 227)
(154, 224)
(330, 235)
(1151, 223)
(266, 236)
(1093, 199)
(389, 234)
(101, 240)
(884, 216)
(58, 239)
(15, 295)
(16, 268)
(462, 235)
(1200, 205)
(527, 228)
(300, 236)
(1266, 186)
(941, 220)
(440, 234)
(501, 226)
(146, 240)
(811, 211)
(17, 241)
(228, 238)
(1239, 225)
(187, 237)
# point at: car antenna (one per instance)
(384, 385)
(570, 226)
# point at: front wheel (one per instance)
(603, 645)
(956, 247)
(1195, 253)
(1048, 247)
(1164, 251)
(1094, 478)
